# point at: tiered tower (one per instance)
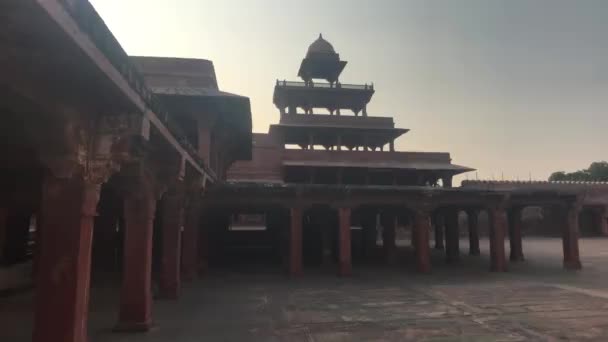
(339, 147)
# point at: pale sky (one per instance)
(510, 87)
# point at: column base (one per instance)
(169, 295)
(203, 268)
(295, 274)
(475, 253)
(189, 276)
(345, 270)
(452, 260)
(516, 258)
(573, 265)
(497, 268)
(132, 327)
(423, 268)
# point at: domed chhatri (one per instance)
(320, 46)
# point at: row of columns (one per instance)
(501, 223)
(422, 226)
(338, 145)
(68, 209)
(292, 110)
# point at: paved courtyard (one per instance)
(535, 301)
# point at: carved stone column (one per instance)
(140, 200)
(62, 293)
(498, 224)
(345, 258)
(422, 227)
(570, 235)
(368, 225)
(452, 236)
(203, 245)
(190, 241)
(79, 154)
(473, 222)
(602, 220)
(388, 220)
(3, 222)
(295, 242)
(439, 229)
(172, 223)
(515, 239)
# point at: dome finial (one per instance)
(321, 46)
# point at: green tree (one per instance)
(597, 172)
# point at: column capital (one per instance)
(95, 146)
(423, 208)
(472, 211)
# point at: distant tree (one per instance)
(597, 172)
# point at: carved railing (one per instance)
(293, 84)
(339, 120)
(93, 25)
(365, 156)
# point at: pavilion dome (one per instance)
(321, 46)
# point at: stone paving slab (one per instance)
(535, 301)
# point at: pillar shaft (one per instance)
(515, 239)
(602, 217)
(345, 262)
(388, 221)
(295, 242)
(62, 294)
(439, 229)
(3, 222)
(327, 227)
(422, 227)
(190, 252)
(498, 223)
(136, 292)
(369, 234)
(452, 236)
(105, 236)
(172, 222)
(473, 222)
(203, 247)
(570, 234)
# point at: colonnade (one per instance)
(503, 222)
(65, 239)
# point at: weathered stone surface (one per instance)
(536, 301)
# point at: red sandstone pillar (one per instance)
(413, 232)
(203, 248)
(345, 267)
(136, 292)
(603, 221)
(295, 242)
(452, 236)
(439, 228)
(422, 227)
(473, 222)
(3, 221)
(498, 223)
(62, 284)
(388, 221)
(570, 235)
(369, 234)
(190, 251)
(172, 222)
(515, 239)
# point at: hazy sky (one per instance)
(513, 87)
